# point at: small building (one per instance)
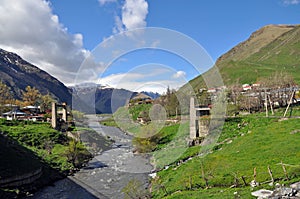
(140, 98)
(246, 87)
(212, 90)
(14, 114)
(31, 110)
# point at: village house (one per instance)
(25, 113)
(140, 98)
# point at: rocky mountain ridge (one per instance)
(17, 74)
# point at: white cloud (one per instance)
(155, 78)
(30, 29)
(118, 25)
(134, 14)
(102, 2)
(291, 2)
(179, 74)
(138, 82)
(117, 80)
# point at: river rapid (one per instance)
(106, 174)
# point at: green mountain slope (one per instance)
(269, 49)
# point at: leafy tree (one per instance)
(5, 95)
(170, 102)
(204, 98)
(30, 96)
(46, 102)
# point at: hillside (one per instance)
(17, 73)
(269, 49)
(258, 143)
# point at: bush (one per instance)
(135, 189)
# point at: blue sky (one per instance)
(57, 35)
(216, 25)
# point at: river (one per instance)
(106, 174)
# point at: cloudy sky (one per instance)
(78, 41)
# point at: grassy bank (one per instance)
(27, 146)
(246, 144)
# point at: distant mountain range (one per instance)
(92, 98)
(17, 74)
(269, 49)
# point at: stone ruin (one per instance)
(55, 123)
(198, 127)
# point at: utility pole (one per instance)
(271, 105)
(290, 101)
(266, 104)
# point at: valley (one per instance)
(143, 146)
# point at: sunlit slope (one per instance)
(269, 49)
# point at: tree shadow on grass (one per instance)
(22, 172)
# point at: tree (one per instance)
(31, 96)
(46, 102)
(135, 189)
(234, 93)
(278, 86)
(204, 98)
(5, 95)
(170, 102)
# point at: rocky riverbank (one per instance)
(106, 174)
(281, 191)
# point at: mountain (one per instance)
(151, 94)
(17, 74)
(273, 48)
(93, 98)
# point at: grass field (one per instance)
(246, 143)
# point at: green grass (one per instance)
(246, 142)
(48, 144)
(172, 146)
(135, 110)
(257, 142)
(213, 193)
(120, 117)
(109, 122)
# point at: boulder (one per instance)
(295, 186)
(262, 193)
